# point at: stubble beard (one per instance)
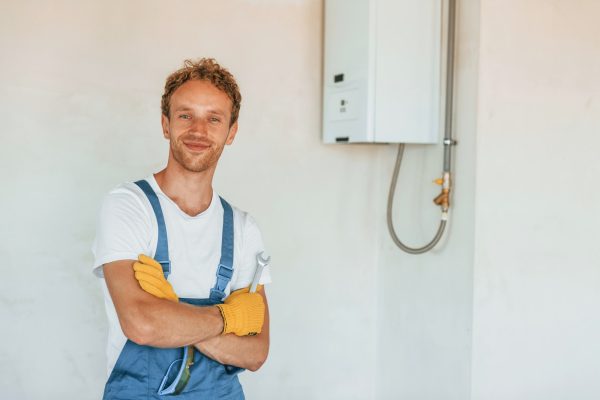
(198, 162)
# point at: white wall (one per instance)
(537, 277)
(79, 99)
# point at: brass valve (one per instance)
(443, 199)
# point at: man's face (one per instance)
(198, 125)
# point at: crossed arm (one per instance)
(248, 352)
(148, 320)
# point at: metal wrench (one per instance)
(262, 260)
(261, 263)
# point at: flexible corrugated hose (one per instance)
(390, 223)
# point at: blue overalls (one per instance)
(141, 370)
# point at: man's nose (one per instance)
(199, 126)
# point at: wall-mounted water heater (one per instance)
(388, 78)
(383, 72)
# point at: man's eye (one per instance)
(185, 116)
(215, 120)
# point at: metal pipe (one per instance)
(449, 104)
(390, 223)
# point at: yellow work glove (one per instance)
(149, 274)
(243, 313)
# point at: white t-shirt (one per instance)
(127, 227)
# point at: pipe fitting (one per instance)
(443, 199)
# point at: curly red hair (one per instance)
(206, 69)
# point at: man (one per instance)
(171, 252)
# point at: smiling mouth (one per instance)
(197, 146)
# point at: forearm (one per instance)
(148, 320)
(249, 352)
(162, 323)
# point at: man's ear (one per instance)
(164, 121)
(232, 132)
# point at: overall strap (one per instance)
(162, 245)
(225, 268)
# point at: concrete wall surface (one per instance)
(536, 277)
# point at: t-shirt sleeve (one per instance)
(252, 246)
(123, 229)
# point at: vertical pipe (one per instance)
(448, 141)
